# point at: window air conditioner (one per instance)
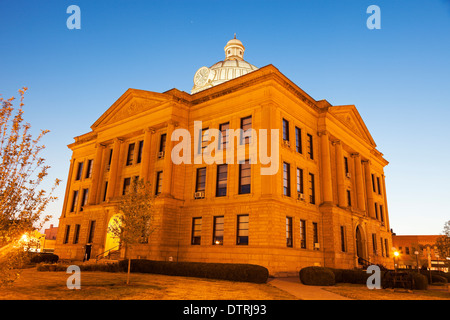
(199, 195)
(300, 196)
(160, 154)
(348, 175)
(287, 143)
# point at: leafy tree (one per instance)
(134, 223)
(443, 242)
(22, 170)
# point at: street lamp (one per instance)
(396, 254)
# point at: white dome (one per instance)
(232, 67)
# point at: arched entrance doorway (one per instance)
(111, 243)
(360, 245)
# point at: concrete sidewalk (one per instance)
(293, 286)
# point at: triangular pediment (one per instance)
(351, 118)
(132, 103)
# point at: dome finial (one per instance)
(235, 35)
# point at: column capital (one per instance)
(336, 142)
(322, 133)
(355, 155)
(118, 140)
(173, 123)
(149, 129)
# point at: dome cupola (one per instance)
(232, 67)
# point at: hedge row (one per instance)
(321, 276)
(44, 257)
(222, 271)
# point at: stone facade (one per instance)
(337, 152)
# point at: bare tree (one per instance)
(134, 223)
(22, 170)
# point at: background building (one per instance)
(419, 250)
(325, 206)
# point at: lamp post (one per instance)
(417, 259)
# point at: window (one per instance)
(303, 234)
(158, 188)
(66, 234)
(130, 155)
(244, 177)
(382, 247)
(406, 250)
(76, 236)
(312, 192)
(89, 169)
(346, 165)
(381, 213)
(84, 198)
(386, 247)
(310, 146)
(105, 191)
(218, 230)
(298, 140)
(242, 230)
(196, 231)
(376, 210)
(289, 232)
(285, 130)
(299, 180)
(246, 124)
(315, 236)
(91, 231)
(378, 185)
(162, 143)
(221, 186)
(140, 148)
(110, 159)
(224, 127)
(79, 171)
(205, 137)
(286, 179)
(74, 201)
(374, 243)
(343, 244)
(373, 183)
(201, 180)
(349, 198)
(126, 185)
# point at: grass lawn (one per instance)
(34, 285)
(361, 292)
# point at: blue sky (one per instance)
(398, 76)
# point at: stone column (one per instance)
(340, 174)
(146, 153)
(168, 165)
(113, 170)
(369, 190)
(359, 182)
(386, 215)
(68, 185)
(96, 174)
(326, 168)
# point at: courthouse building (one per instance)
(325, 205)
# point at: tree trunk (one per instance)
(128, 274)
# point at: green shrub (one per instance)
(355, 276)
(420, 281)
(44, 258)
(438, 279)
(222, 271)
(317, 276)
